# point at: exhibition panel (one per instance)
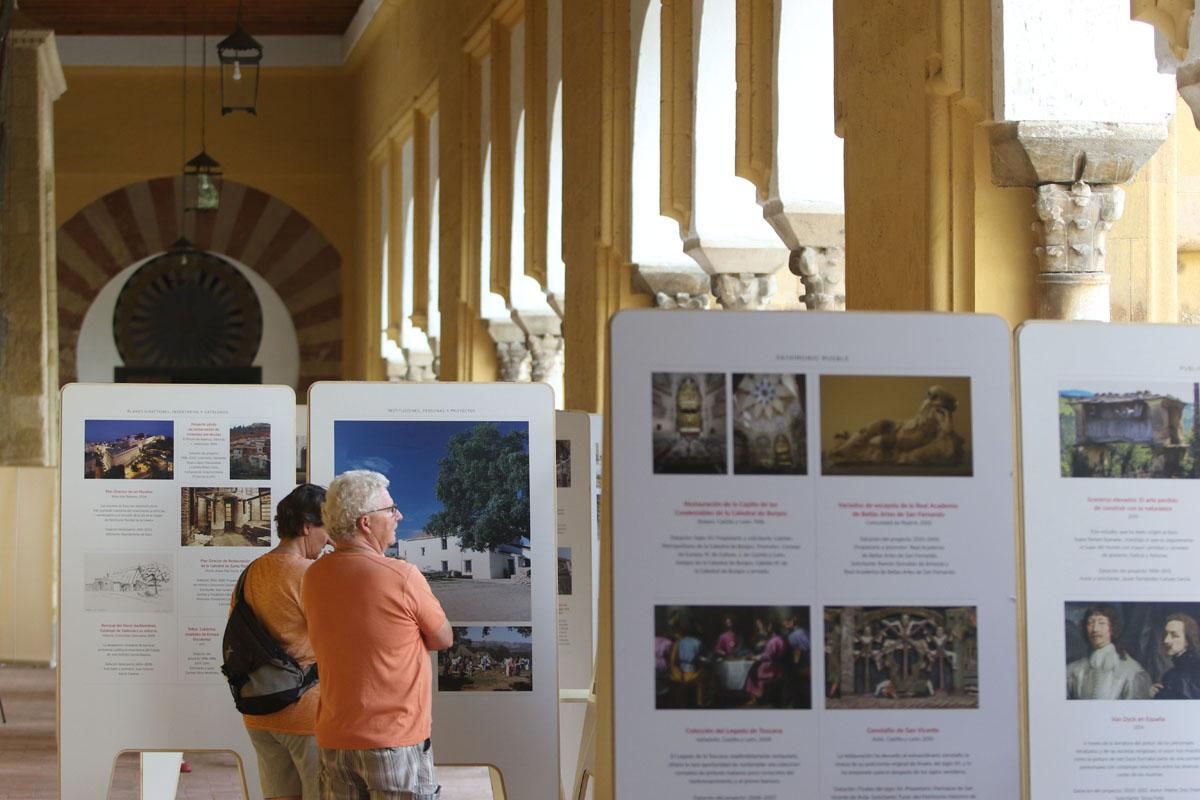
(576, 478)
(472, 471)
(1111, 460)
(813, 544)
(168, 492)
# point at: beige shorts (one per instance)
(289, 764)
(389, 773)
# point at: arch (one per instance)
(251, 227)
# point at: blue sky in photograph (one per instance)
(498, 634)
(407, 452)
(106, 430)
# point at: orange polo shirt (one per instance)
(368, 616)
(273, 592)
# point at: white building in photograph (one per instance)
(446, 554)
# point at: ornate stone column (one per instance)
(545, 351)
(1075, 168)
(512, 353)
(822, 270)
(743, 291)
(1071, 281)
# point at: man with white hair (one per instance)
(372, 621)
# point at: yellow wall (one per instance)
(116, 126)
(28, 562)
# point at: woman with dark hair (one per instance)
(288, 758)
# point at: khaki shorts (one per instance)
(389, 773)
(289, 764)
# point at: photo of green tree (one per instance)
(463, 488)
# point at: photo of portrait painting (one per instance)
(896, 425)
(769, 436)
(1128, 430)
(901, 657)
(732, 657)
(1132, 651)
(688, 413)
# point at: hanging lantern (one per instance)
(240, 55)
(201, 183)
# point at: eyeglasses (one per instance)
(390, 509)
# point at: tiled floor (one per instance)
(29, 754)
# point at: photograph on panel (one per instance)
(901, 657)
(562, 463)
(896, 425)
(564, 570)
(769, 425)
(730, 657)
(688, 410)
(462, 488)
(228, 516)
(488, 658)
(129, 449)
(302, 456)
(1133, 651)
(127, 582)
(1128, 430)
(250, 452)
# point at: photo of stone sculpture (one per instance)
(1133, 651)
(1123, 430)
(229, 516)
(688, 412)
(127, 582)
(562, 463)
(901, 657)
(250, 452)
(732, 657)
(124, 449)
(899, 426)
(769, 435)
(490, 658)
(463, 490)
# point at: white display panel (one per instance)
(1111, 496)
(576, 470)
(501, 600)
(168, 492)
(847, 476)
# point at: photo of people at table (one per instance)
(716, 657)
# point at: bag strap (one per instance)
(241, 586)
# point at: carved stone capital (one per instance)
(674, 286)
(512, 354)
(513, 360)
(1030, 153)
(682, 300)
(822, 270)
(743, 290)
(420, 366)
(1074, 223)
(545, 351)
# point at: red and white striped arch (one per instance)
(250, 227)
